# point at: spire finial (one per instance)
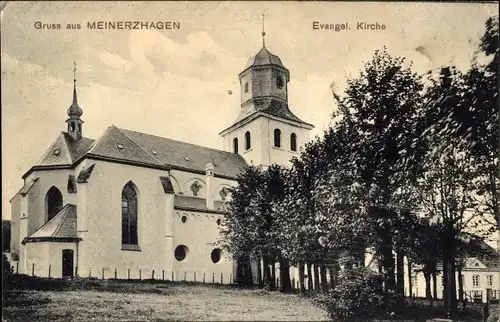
(263, 31)
(74, 73)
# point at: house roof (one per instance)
(137, 148)
(264, 57)
(61, 227)
(65, 150)
(197, 204)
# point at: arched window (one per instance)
(246, 87)
(293, 142)
(248, 143)
(129, 214)
(277, 138)
(54, 202)
(235, 145)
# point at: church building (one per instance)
(135, 205)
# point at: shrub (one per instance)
(357, 296)
(7, 272)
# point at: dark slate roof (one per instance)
(270, 106)
(62, 226)
(155, 150)
(69, 150)
(264, 57)
(197, 204)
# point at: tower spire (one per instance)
(75, 112)
(263, 32)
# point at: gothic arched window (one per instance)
(235, 145)
(248, 143)
(129, 214)
(195, 188)
(293, 142)
(277, 138)
(54, 202)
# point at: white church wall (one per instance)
(15, 242)
(102, 249)
(37, 259)
(200, 234)
(37, 209)
(254, 154)
(283, 155)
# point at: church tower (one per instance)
(75, 112)
(265, 131)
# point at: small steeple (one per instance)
(75, 112)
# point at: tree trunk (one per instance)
(446, 283)
(434, 285)
(400, 273)
(316, 278)
(410, 284)
(460, 284)
(259, 272)
(388, 262)
(285, 282)
(273, 274)
(324, 283)
(427, 277)
(309, 277)
(301, 278)
(453, 286)
(268, 278)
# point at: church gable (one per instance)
(57, 154)
(115, 145)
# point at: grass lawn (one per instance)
(129, 301)
(35, 299)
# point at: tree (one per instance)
(381, 106)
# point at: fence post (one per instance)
(184, 276)
(222, 278)
(115, 274)
(17, 268)
(230, 278)
(153, 275)
(33, 270)
(90, 273)
(172, 276)
(195, 277)
(203, 277)
(103, 273)
(128, 274)
(49, 270)
(140, 275)
(76, 271)
(213, 278)
(162, 274)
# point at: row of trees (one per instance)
(408, 168)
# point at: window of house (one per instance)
(71, 184)
(54, 202)
(279, 82)
(223, 194)
(475, 280)
(216, 255)
(129, 214)
(248, 143)
(489, 280)
(246, 87)
(184, 219)
(181, 252)
(235, 145)
(293, 142)
(277, 138)
(195, 188)
(219, 222)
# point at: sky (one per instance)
(177, 83)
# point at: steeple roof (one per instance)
(74, 110)
(264, 57)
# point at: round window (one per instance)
(184, 219)
(180, 252)
(279, 82)
(219, 222)
(216, 255)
